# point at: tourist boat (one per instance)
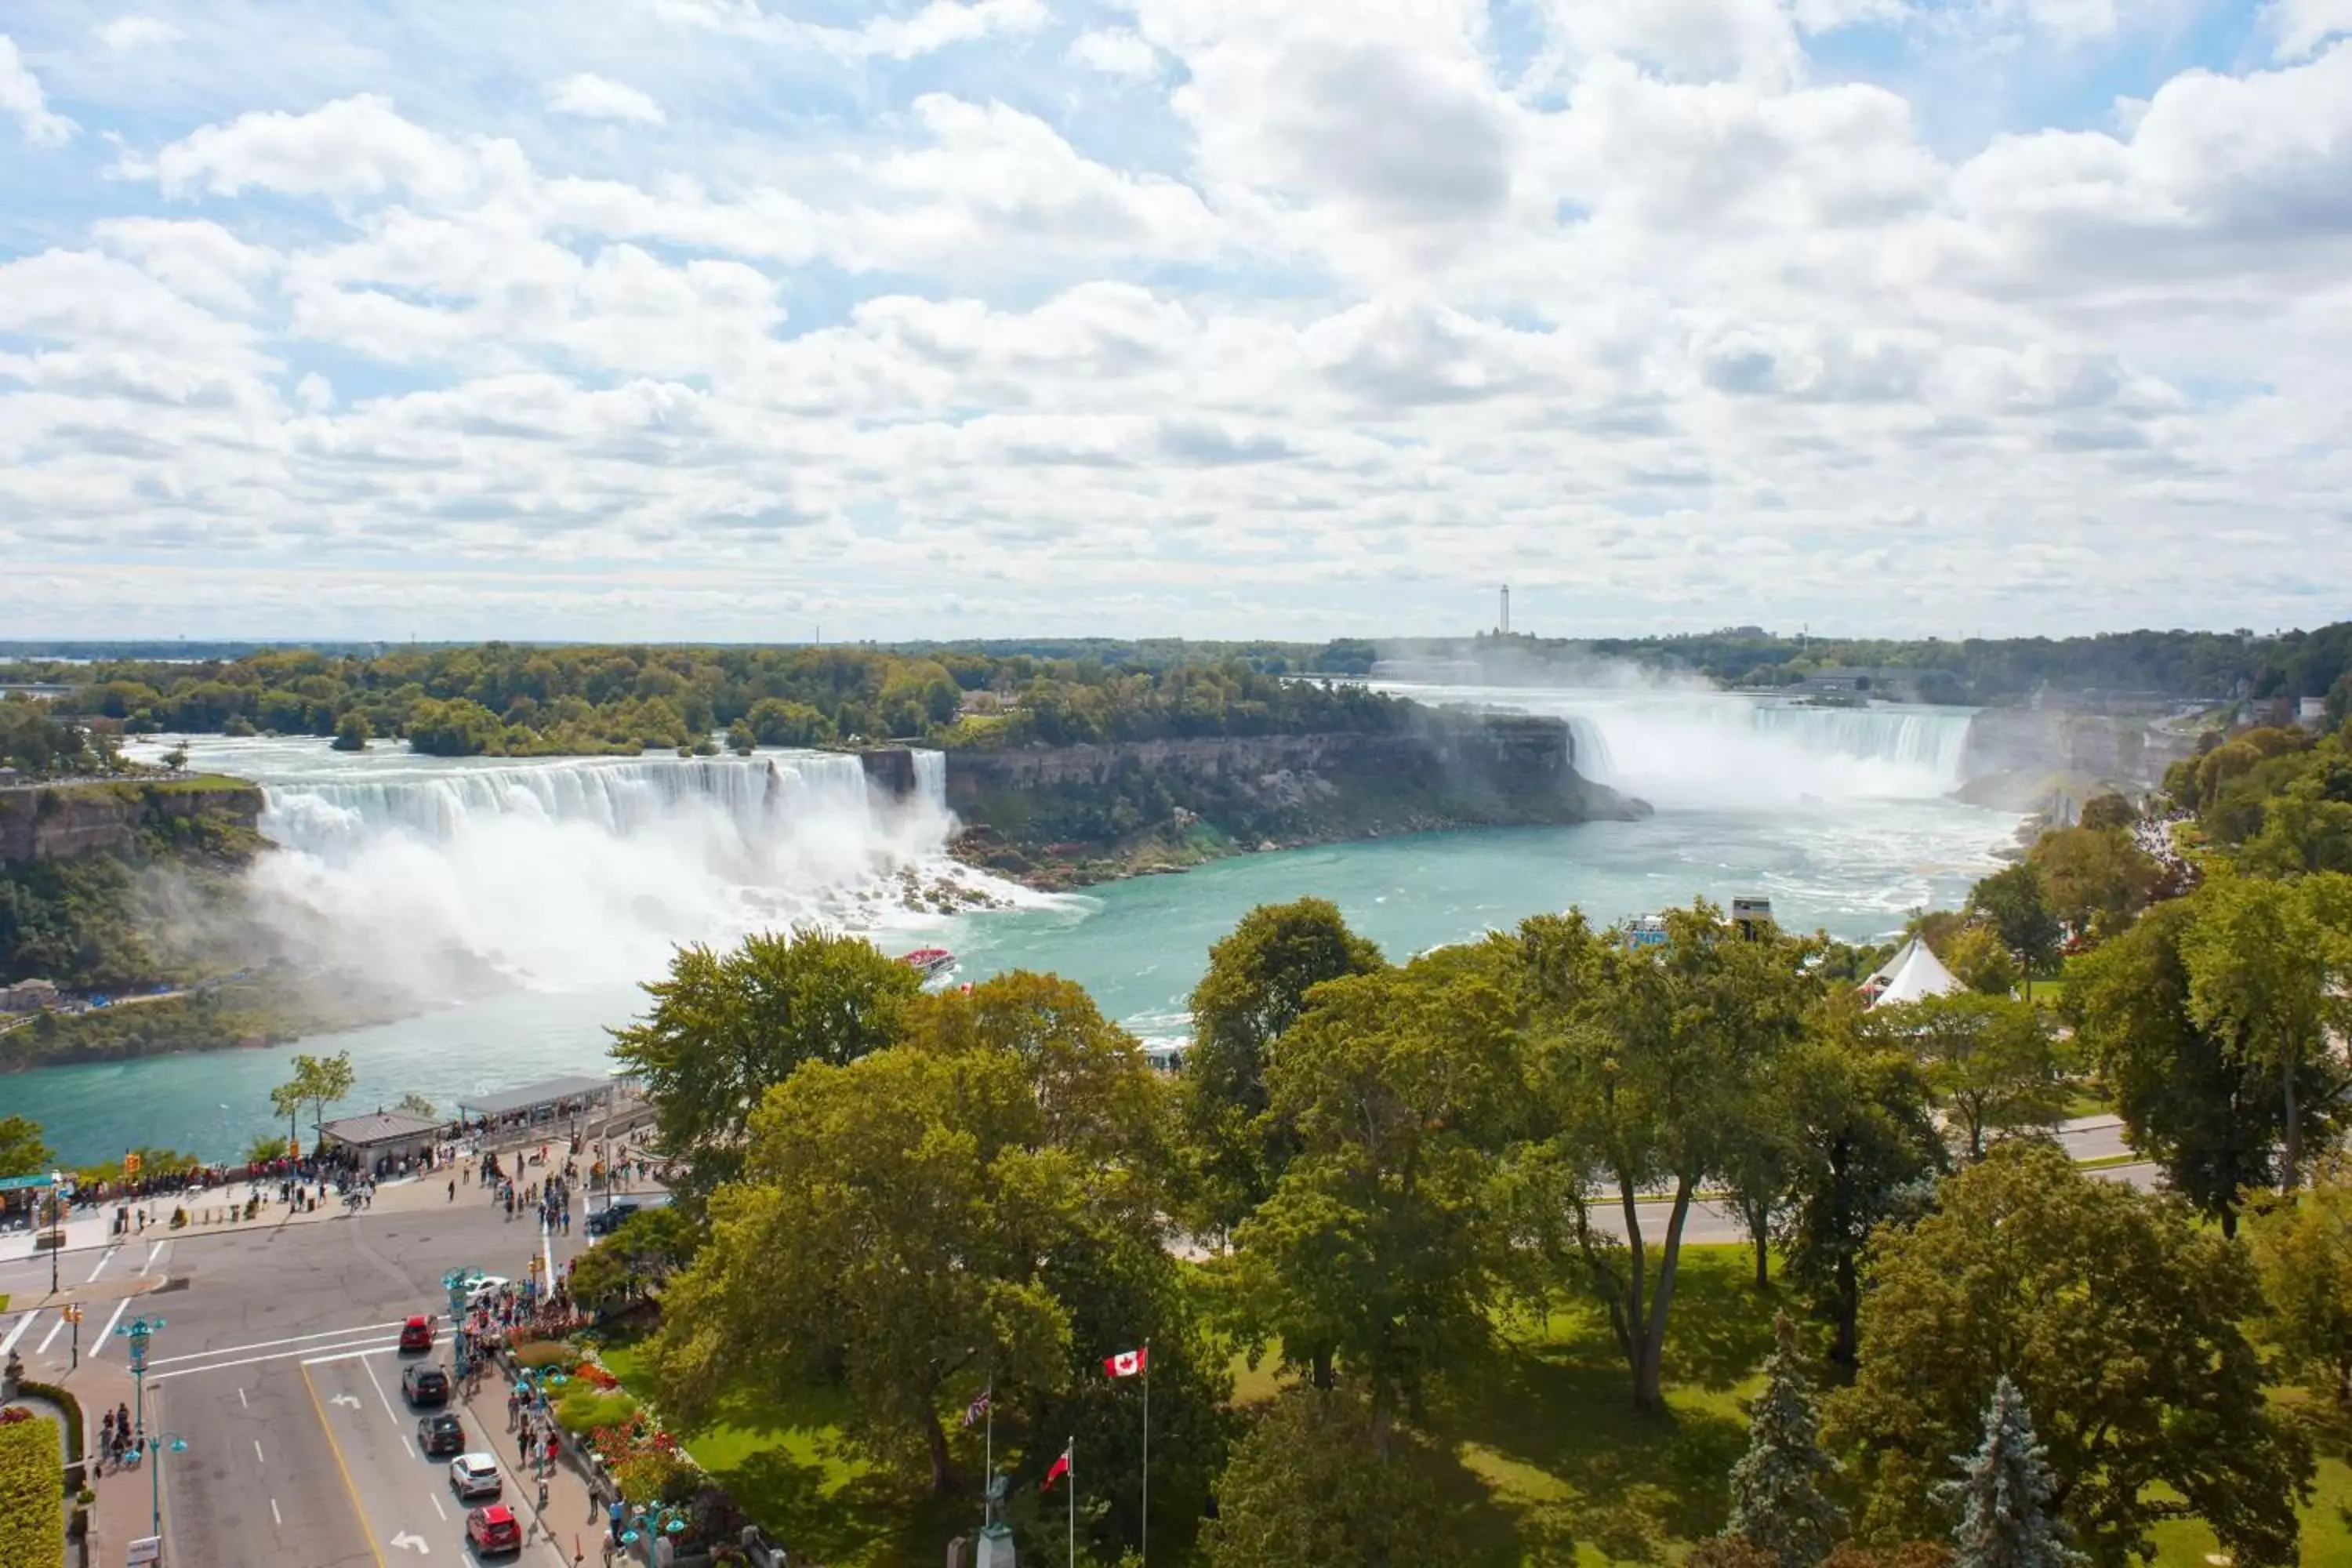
(930, 962)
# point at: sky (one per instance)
(766, 320)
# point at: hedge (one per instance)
(32, 1499)
(64, 1400)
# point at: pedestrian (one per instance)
(452, 1190)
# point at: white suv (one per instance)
(473, 1476)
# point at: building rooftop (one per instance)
(379, 1127)
(530, 1096)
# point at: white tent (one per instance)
(1913, 973)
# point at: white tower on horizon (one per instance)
(1506, 627)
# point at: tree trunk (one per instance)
(2293, 1127)
(1759, 1232)
(942, 1473)
(1319, 1373)
(1650, 1334)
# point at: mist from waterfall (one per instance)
(1691, 748)
(446, 876)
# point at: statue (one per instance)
(995, 1536)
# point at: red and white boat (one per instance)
(930, 962)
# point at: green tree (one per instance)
(636, 1258)
(2095, 880)
(416, 1104)
(23, 1151)
(2267, 963)
(1863, 1127)
(896, 1218)
(2004, 1494)
(454, 730)
(2107, 811)
(1979, 960)
(353, 731)
(317, 1083)
(2017, 907)
(1991, 1062)
(2302, 1253)
(264, 1148)
(1311, 1486)
(1777, 1497)
(2190, 1098)
(1254, 988)
(1376, 1250)
(1647, 1067)
(725, 1027)
(2118, 1316)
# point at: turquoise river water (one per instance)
(570, 880)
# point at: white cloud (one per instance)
(137, 31)
(938, 25)
(1116, 51)
(21, 95)
(2301, 26)
(1369, 307)
(592, 97)
(353, 146)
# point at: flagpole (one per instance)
(1073, 1501)
(1147, 1451)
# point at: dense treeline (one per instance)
(2213, 666)
(502, 699)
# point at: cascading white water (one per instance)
(1697, 749)
(439, 874)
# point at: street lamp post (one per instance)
(139, 1331)
(57, 1224)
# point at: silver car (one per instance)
(473, 1476)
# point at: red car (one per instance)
(416, 1334)
(493, 1529)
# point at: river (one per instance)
(570, 880)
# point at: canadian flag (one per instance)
(1061, 1467)
(1127, 1363)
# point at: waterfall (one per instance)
(1722, 751)
(445, 875)
(931, 781)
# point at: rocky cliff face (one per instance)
(64, 822)
(1057, 814)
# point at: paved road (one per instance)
(278, 1367)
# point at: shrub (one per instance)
(32, 1504)
(545, 1353)
(585, 1408)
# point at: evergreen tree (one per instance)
(2004, 1494)
(1777, 1502)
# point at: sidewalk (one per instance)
(221, 1209)
(570, 1530)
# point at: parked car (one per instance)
(416, 1334)
(425, 1383)
(475, 1476)
(604, 1221)
(441, 1434)
(493, 1529)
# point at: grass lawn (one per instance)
(1566, 1471)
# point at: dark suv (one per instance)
(606, 1219)
(426, 1384)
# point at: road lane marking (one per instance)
(345, 1355)
(242, 1403)
(438, 1508)
(257, 1454)
(55, 1330)
(275, 1516)
(267, 1344)
(408, 1542)
(103, 1262)
(106, 1334)
(337, 1450)
(380, 1393)
(18, 1332)
(309, 1358)
(154, 1252)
